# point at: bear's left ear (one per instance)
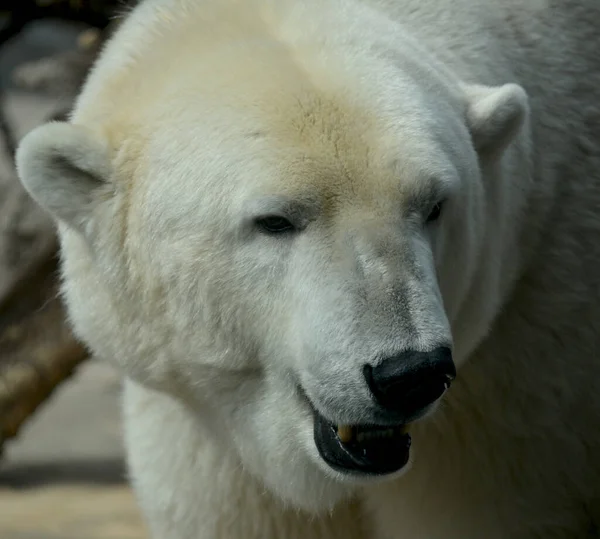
(495, 114)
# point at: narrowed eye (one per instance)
(274, 224)
(435, 213)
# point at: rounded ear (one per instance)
(66, 169)
(495, 115)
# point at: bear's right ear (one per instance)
(66, 169)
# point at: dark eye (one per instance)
(274, 224)
(435, 213)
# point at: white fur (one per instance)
(355, 117)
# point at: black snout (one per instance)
(409, 382)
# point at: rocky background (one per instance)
(62, 475)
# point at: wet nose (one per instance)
(405, 384)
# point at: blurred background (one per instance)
(62, 472)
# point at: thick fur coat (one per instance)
(356, 120)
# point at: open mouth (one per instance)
(362, 449)
(404, 390)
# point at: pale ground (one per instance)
(63, 477)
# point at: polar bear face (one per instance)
(292, 259)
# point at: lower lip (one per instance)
(375, 456)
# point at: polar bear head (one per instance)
(299, 240)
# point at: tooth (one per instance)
(345, 433)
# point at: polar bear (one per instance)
(346, 254)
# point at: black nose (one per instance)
(407, 383)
